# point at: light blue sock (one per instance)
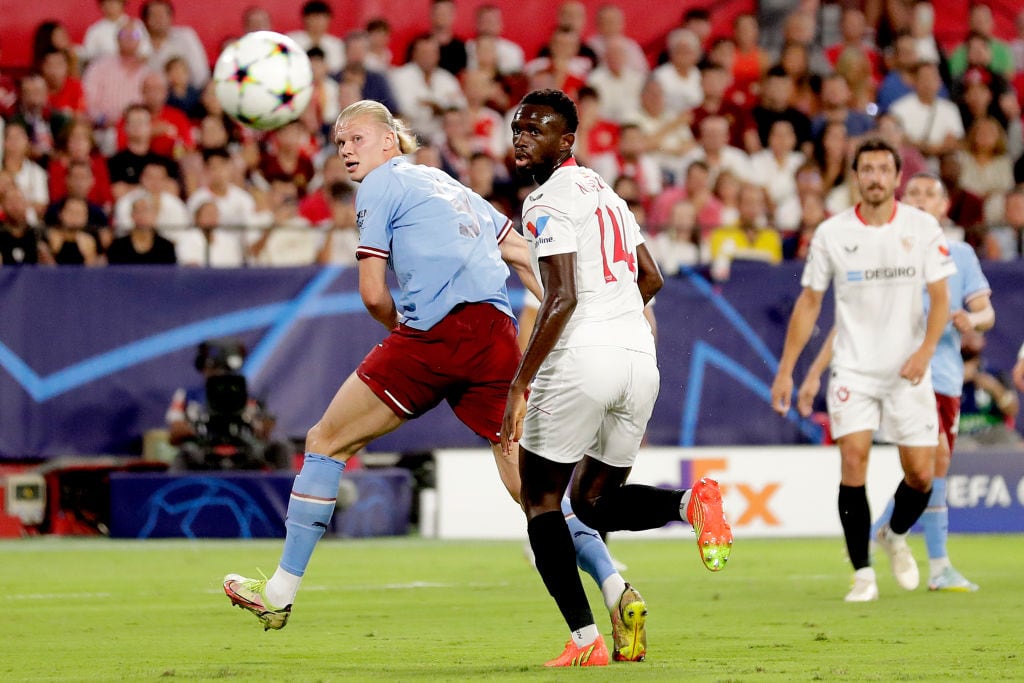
(883, 519)
(936, 520)
(310, 508)
(591, 552)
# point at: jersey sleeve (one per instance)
(553, 229)
(975, 282)
(375, 206)
(938, 262)
(502, 223)
(818, 270)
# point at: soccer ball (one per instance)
(263, 80)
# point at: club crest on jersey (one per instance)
(843, 394)
(908, 243)
(360, 217)
(538, 228)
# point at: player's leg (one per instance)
(935, 520)
(354, 418)
(855, 514)
(543, 483)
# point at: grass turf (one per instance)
(413, 609)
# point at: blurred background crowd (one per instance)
(727, 144)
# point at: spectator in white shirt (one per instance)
(237, 208)
(171, 41)
(932, 123)
(316, 21)
(775, 168)
(207, 243)
(680, 77)
(510, 58)
(617, 82)
(714, 150)
(101, 36)
(610, 22)
(423, 90)
(171, 212)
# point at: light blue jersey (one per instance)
(968, 282)
(440, 238)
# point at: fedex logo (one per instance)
(752, 502)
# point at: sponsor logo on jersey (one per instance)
(899, 273)
(850, 250)
(537, 228)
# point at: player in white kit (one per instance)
(591, 372)
(879, 256)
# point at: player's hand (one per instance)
(1018, 374)
(915, 367)
(806, 394)
(512, 422)
(962, 321)
(782, 391)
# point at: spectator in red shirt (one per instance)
(288, 161)
(65, 91)
(315, 207)
(172, 131)
(853, 28)
(77, 146)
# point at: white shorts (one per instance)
(592, 401)
(904, 412)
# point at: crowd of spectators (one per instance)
(727, 146)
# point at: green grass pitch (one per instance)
(417, 610)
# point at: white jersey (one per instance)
(576, 211)
(879, 274)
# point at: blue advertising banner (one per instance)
(985, 491)
(89, 357)
(250, 504)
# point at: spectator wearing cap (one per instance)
(316, 24)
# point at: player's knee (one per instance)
(919, 478)
(586, 511)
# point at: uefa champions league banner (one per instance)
(89, 358)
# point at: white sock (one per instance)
(865, 573)
(612, 590)
(683, 504)
(281, 588)
(586, 635)
(935, 566)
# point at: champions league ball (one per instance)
(263, 80)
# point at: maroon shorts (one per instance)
(949, 417)
(467, 359)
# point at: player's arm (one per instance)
(938, 315)
(649, 278)
(979, 316)
(515, 251)
(1018, 369)
(373, 288)
(801, 324)
(558, 277)
(812, 383)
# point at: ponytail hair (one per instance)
(379, 113)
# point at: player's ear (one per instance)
(568, 140)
